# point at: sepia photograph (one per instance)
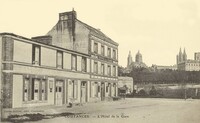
(94, 61)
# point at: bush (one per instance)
(142, 93)
(153, 91)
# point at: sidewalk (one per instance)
(52, 109)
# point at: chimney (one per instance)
(67, 15)
(67, 20)
(43, 39)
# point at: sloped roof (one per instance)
(97, 32)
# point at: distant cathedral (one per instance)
(129, 59)
(181, 57)
(138, 57)
(185, 64)
(138, 61)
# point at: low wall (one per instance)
(168, 90)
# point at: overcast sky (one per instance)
(158, 28)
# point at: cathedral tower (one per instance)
(129, 59)
(138, 57)
(181, 57)
(184, 55)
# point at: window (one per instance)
(109, 52)
(102, 69)
(74, 62)
(114, 54)
(95, 47)
(83, 64)
(36, 55)
(109, 70)
(96, 89)
(60, 89)
(95, 67)
(114, 70)
(35, 89)
(102, 50)
(59, 59)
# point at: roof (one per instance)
(18, 36)
(192, 61)
(98, 32)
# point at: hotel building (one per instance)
(73, 62)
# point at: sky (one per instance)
(158, 28)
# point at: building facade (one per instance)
(74, 63)
(36, 74)
(73, 34)
(185, 64)
(197, 56)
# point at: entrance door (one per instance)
(59, 93)
(83, 92)
(102, 91)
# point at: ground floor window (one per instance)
(34, 89)
(109, 89)
(96, 89)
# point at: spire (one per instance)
(180, 51)
(184, 51)
(138, 53)
(129, 53)
(184, 55)
(129, 59)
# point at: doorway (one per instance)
(102, 91)
(83, 92)
(59, 93)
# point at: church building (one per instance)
(184, 64)
(138, 61)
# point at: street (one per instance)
(135, 110)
